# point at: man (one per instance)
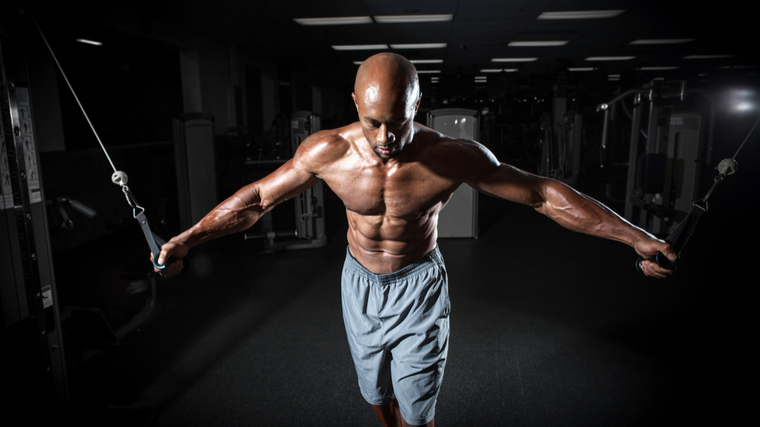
(394, 177)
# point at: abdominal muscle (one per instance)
(385, 244)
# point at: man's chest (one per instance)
(408, 190)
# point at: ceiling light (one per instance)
(581, 14)
(428, 71)
(609, 58)
(426, 61)
(360, 47)
(707, 56)
(661, 41)
(514, 59)
(92, 42)
(396, 19)
(539, 43)
(658, 68)
(419, 46)
(498, 70)
(581, 69)
(347, 20)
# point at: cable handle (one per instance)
(661, 260)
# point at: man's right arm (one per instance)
(240, 211)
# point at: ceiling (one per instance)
(480, 31)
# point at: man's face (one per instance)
(387, 118)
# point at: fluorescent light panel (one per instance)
(428, 71)
(346, 20)
(609, 58)
(419, 46)
(498, 70)
(539, 43)
(426, 61)
(400, 19)
(360, 47)
(658, 68)
(581, 14)
(661, 41)
(707, 56)
(514, 59)
(92, 42)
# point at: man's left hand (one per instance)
(648, 248)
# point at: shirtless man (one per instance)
(394, 177)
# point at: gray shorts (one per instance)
(398, 332)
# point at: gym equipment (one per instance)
(459, 218)
(118, 177)
(561, 133)
(309, 205)
(680, 236)
(35, 369)
(665, 168)
(195, 165)
(66, 223)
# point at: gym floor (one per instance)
(549, 328)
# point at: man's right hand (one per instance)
(174, 252)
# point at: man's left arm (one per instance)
(569, 208)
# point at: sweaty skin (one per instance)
(394, 176)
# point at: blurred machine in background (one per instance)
(32, 355)
(460, 216)
(668, 134)
(308, 209)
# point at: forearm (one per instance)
(237, 213)
(581, 213)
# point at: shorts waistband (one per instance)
(422, 264)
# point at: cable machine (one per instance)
(32, 341)
(309, 206)
(666, 155)
(561, 138)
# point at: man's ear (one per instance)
(353, 96)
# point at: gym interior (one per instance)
(174, 105)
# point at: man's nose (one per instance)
(385, 136)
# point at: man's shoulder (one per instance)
(440, 145)
(457, 157)
(325, 147)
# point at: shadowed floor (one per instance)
(549, 328)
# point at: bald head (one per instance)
(387, 95)
(388, 78)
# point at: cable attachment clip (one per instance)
(132, 202)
